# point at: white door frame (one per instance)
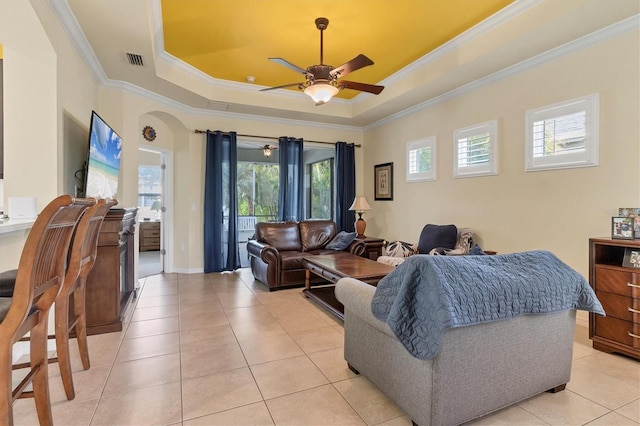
(166, 215)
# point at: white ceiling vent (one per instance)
(135, 59)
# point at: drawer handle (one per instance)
(635, 311)
(635, 336)
(633, 285)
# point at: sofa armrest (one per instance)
(267, 253)
(356, 296)
(357, 247)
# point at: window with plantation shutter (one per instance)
(563, 135)
(475, 150)
(421, 160)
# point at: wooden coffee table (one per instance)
(335, 266)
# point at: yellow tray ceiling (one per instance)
(233, 39)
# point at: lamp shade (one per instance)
(360, 204)
(321, 92)
(155, 205)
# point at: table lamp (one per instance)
(156, 206)
(360, 205)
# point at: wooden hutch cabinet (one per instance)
(111, 283)
(618, 289)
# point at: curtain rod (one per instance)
(274, 138)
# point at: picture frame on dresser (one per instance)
(622, 228)
(633, 212)
(631, 258)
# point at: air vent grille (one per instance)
(135, 59)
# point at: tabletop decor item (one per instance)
(622, 228)
(633, 212)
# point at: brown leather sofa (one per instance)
(276, 253)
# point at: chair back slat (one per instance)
(44, 256)
(45, 273)
(84, 246)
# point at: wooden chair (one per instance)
(82, 256)
(81, 259)
(39, 278)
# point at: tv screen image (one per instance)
(103, 165)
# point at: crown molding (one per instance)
(612, 31)
(171, 103)
(70, 24)
(503, 15)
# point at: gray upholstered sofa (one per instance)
(478, 369)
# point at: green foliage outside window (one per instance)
(258, 190)
(321, 177)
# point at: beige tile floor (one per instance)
(218, 349)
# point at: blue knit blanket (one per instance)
(427, 294)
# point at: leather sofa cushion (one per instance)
(291, 260)
(315, 234)
(282, 235)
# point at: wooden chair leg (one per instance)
(40, 382)
(81, 324)
(62, 345)
(6, 399)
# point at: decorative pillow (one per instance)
(341, 241)
(401, 249)
(437, 236)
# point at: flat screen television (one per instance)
(103, 160)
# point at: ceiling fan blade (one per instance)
(363, 87)
(356, 63)
(280, 87)
(289, 65)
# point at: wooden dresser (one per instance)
(618, 289)
(149, 235)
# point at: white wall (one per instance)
(29, 105)
(514, 211)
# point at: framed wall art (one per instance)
(622, 228)
(383, 181)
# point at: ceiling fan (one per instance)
(322, 80)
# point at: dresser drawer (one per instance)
(151, 242)
(618, 330)
(617, 281)
(622, 307)
(150, 233)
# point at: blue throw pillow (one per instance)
(341, 241)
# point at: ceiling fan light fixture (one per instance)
(266, 150)
(321, 93)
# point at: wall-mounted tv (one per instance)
(103, 160)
